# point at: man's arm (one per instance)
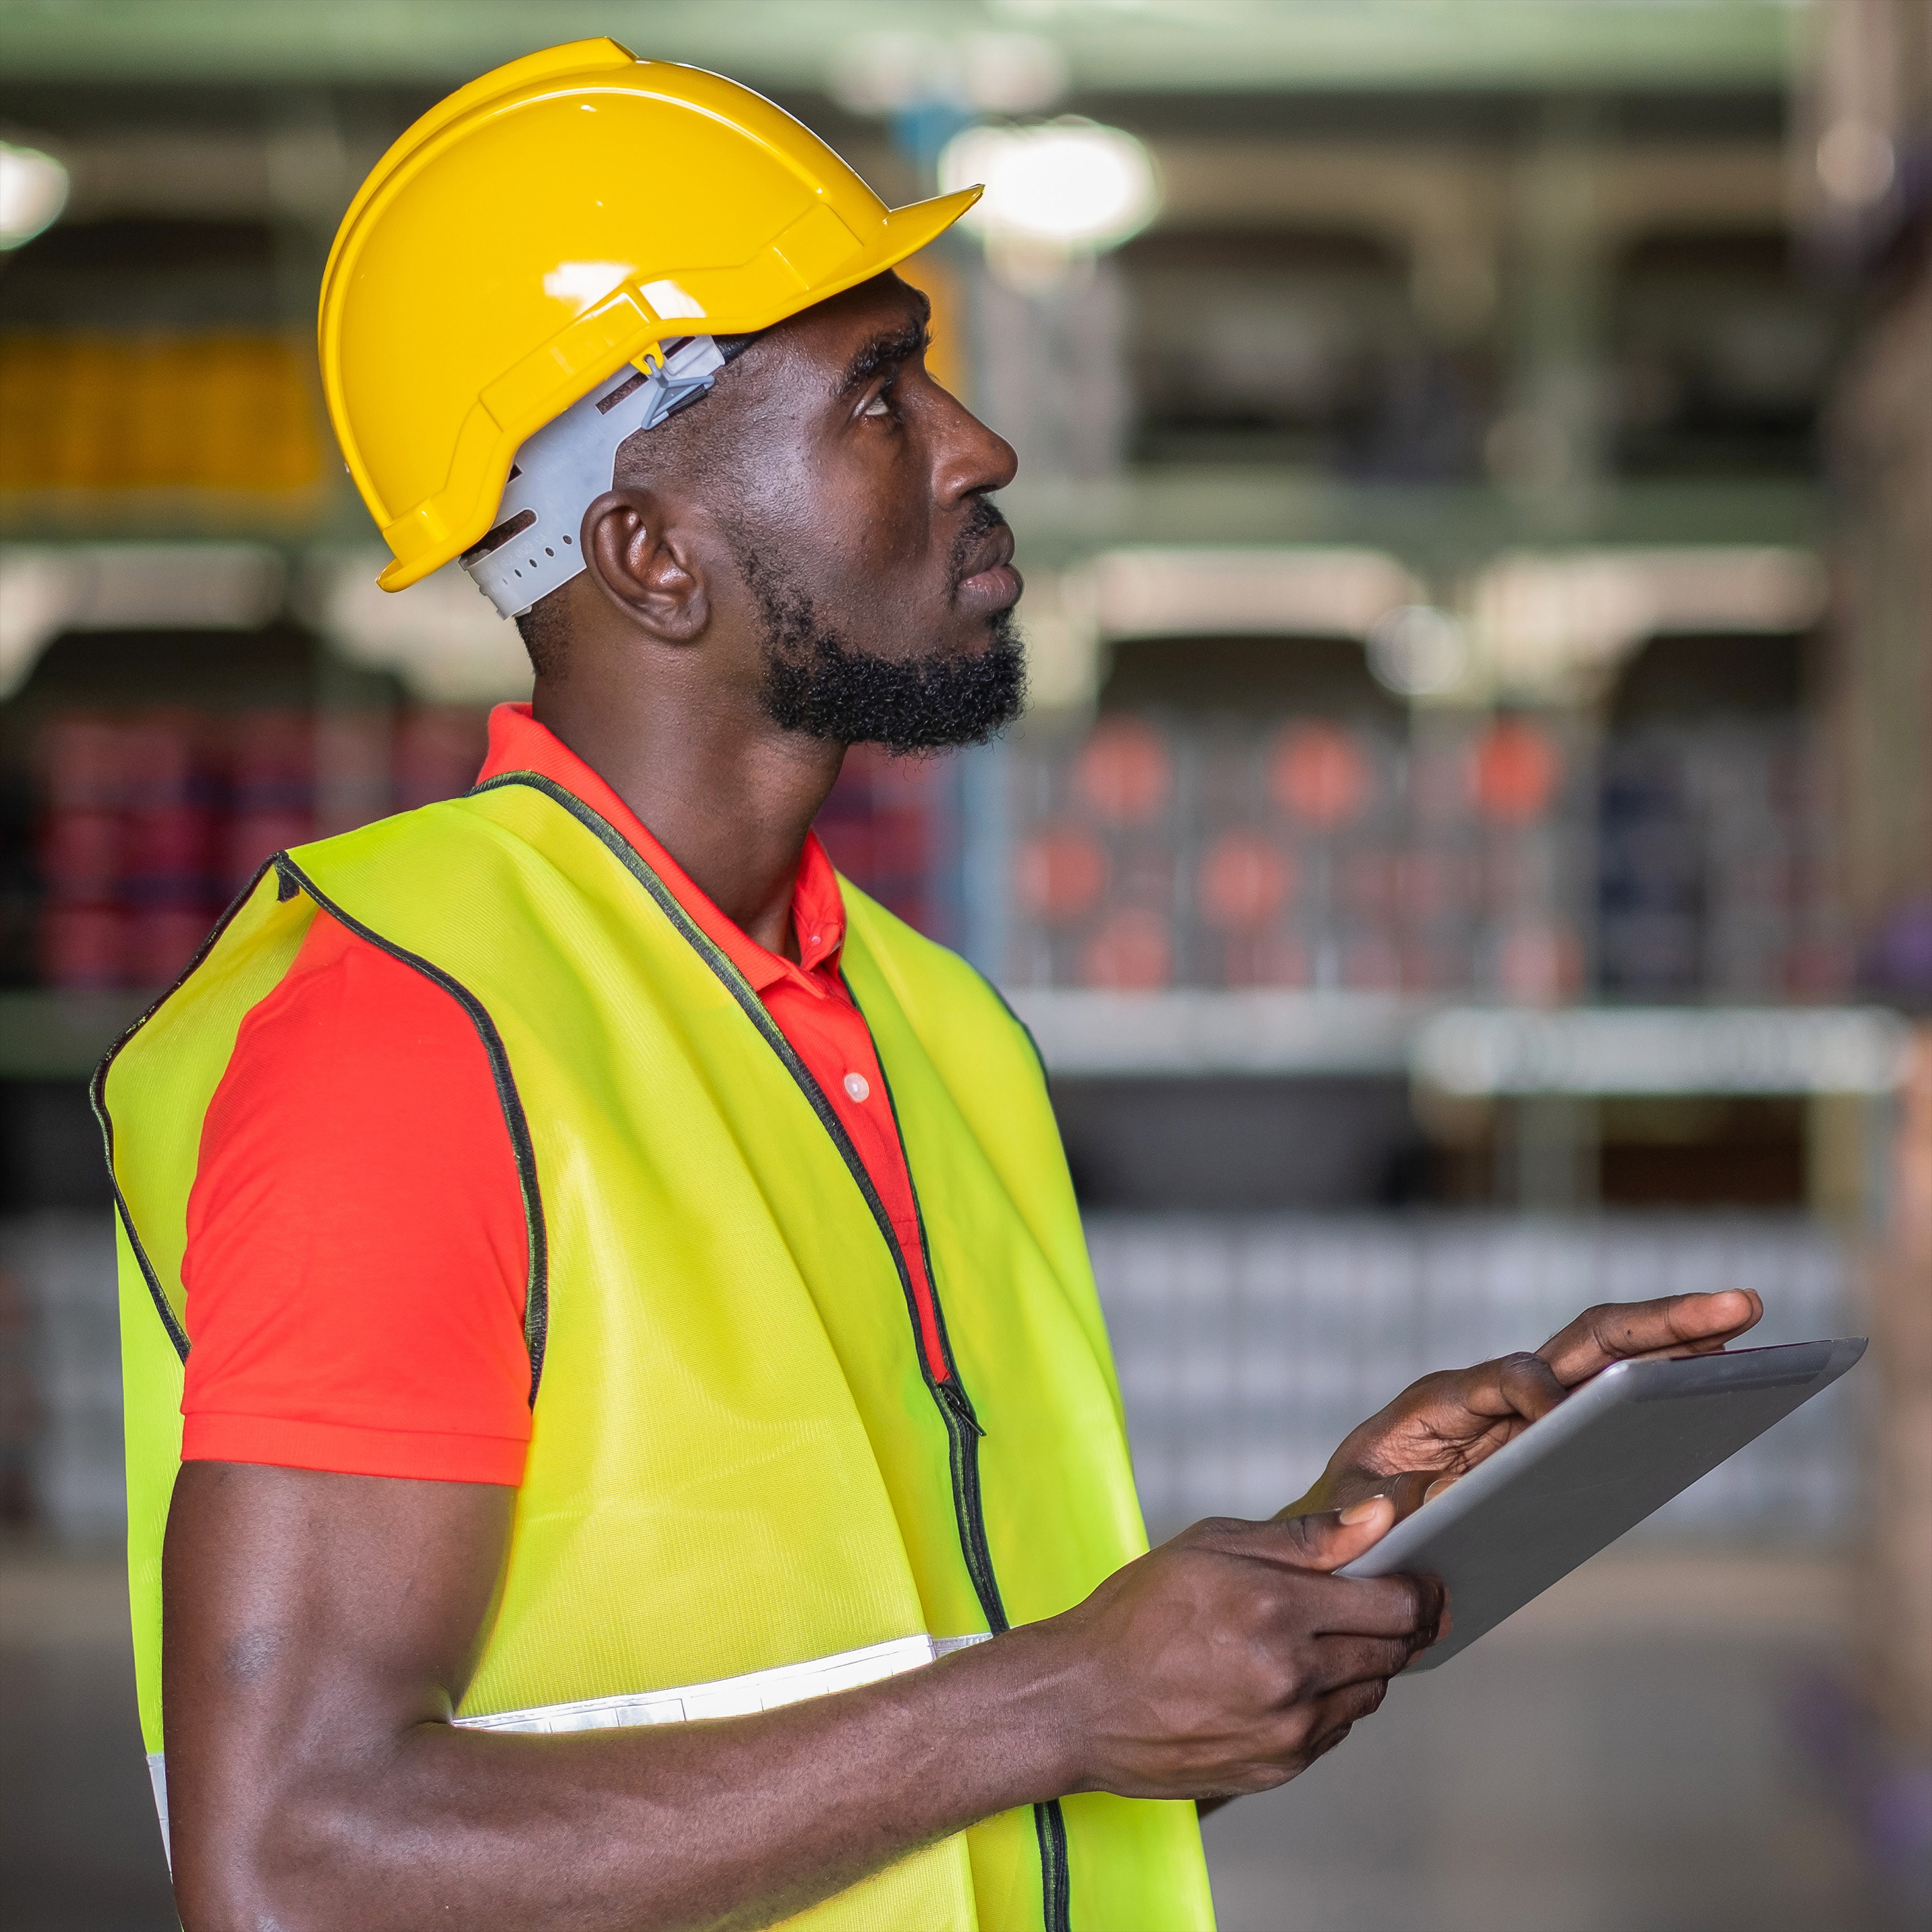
(1441, 1427)
(320, 1628)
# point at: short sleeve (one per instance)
(357, 1254)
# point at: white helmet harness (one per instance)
(572, 461)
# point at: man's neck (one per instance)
(732, 806)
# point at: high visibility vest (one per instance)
(745, 1482)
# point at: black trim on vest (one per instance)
(963, 1429)
(536, 1294)
(963, 1424)
(97, 1094)
(1056, 1885)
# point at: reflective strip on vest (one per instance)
(732, 1697)
(728, 1697)
(158, 1776)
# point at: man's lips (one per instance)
(991, 582)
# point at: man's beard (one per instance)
(817, 682)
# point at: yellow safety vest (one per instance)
(744, 1484)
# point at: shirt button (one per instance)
(856, 1086)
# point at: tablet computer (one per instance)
(1626, 1442)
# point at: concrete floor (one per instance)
(80, 1848)
(1619, 1759)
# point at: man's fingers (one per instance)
(1673, 1324)
(1340, 1664)
(1332, 1537)
(1347, 1658)
(1402, 1607)
(1390, 1606)
(1529, 1384)
(1409, 1491)
(1339, 1713)
(1406, 1610)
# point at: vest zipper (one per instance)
(963, 1432)
(963, 1427)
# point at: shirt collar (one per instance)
(518, 743)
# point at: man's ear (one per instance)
(640, 560)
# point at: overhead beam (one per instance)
(1122, 45)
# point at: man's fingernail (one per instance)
(1360, 1512)
(1436, 1488)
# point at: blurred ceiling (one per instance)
(1106, 46)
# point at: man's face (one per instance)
(883, 576)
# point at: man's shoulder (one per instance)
(512, 823)
(422, 825)
(456, 859)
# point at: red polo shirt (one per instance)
(356, 1258)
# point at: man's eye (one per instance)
(880, 405)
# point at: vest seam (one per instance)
(536, 1291)
(97, 1095)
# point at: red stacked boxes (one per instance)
(168, 886)
(271, 792)
(81, 834)
(1529, 951)
(1332, 800)
(1311, 853)
(151, 820)
(438, 752)
(1095, 867)
(886, 825)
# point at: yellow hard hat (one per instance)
(544, 226)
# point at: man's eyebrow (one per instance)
(895, 345)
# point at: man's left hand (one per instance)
(1441, 1427)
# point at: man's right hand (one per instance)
(1228, 1660)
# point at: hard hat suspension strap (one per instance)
(569, 463)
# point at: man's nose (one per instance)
(972, 459)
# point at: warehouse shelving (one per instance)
(1467, 1050)
(1199, 1034)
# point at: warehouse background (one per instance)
(1469, 854)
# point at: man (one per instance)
(650, 1455)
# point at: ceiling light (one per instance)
(33, 191)
(1070, 186)
(1418, 651)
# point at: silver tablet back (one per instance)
(1622, 1446)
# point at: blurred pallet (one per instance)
(64, 1265)
(1249, 1346)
